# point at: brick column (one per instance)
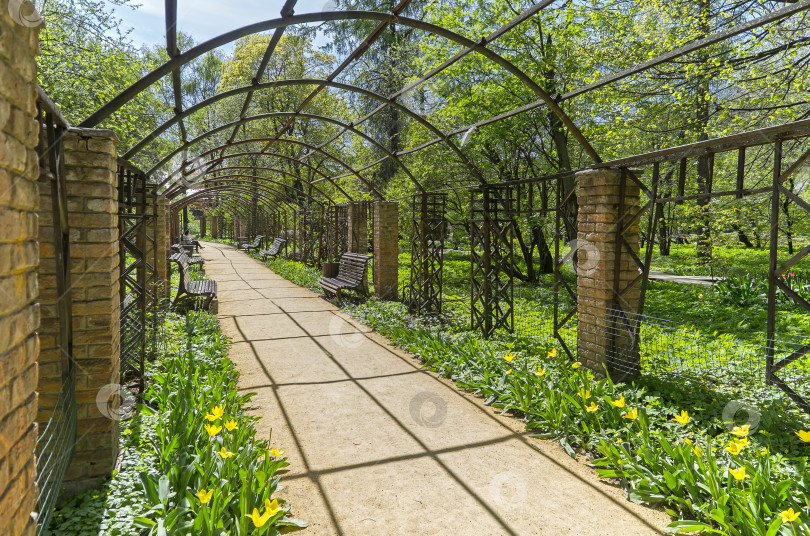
(601, 341)
(163, 245)
(358, 228)
(202, 225)
(386, 249)
(19, 315)
(92, 196)
(214, 227)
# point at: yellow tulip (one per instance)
(215, 414)
(741, 442)
(509, 357)
(739, 474)
(789, 516)
(619, 403)
(687, 441)
(804, 435)
(632, 414)
(225, 453)
(584, 394)
(764, 451)
(697, 450)
(741, 431)
(575, 365)
(277, 453)
(231, 425)
(212, 429)
(540, 372)
(509, 371)
(593, 407)
(552, 352)
(733, 448)
(271, 506)
(683, 418)
(259, 520)
(205, 496)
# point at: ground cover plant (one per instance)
(717, 465)
(192, 462)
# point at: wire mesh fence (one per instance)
(55, 446)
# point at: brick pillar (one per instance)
(92, 196)
(163, 245)
(202, 225)
(386, 249)
(214, 227)
(601, 340)
(358, 228)
(19, 315)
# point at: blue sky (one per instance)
(203, 19)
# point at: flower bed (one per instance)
(192, 464)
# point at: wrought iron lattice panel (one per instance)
(337, 231)
(427, 252)
(310, 236)
(137, 278)
(491, 259)
(779, 356)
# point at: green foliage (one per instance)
(204, 442)
(170, 455)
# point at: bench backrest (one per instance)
(182, 263)
(184, 240)
(353, 267)
(257, 241)
(278, 243)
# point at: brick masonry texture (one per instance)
(598, 196)
(19, 256)
(386, 249)
(90, 157)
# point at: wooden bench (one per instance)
(187, 245)
(179, 254)
(192, 260)
(275, 249)
(206, 289)
(253, 245)
(351, 275)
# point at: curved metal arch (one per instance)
(234, 179)
(233, 188)
(316, 117)
(264, 196)
(296, 82)
(171, 194)
(178, 61)
(278, 155)
(294, 142)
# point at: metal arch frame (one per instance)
(181, 203)
(236, 189)
(234, 179)
(346, 126)
(294, 142)
(296, 82)
(171, 194)
(279, 195)
(283, 156)
(178, 61)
